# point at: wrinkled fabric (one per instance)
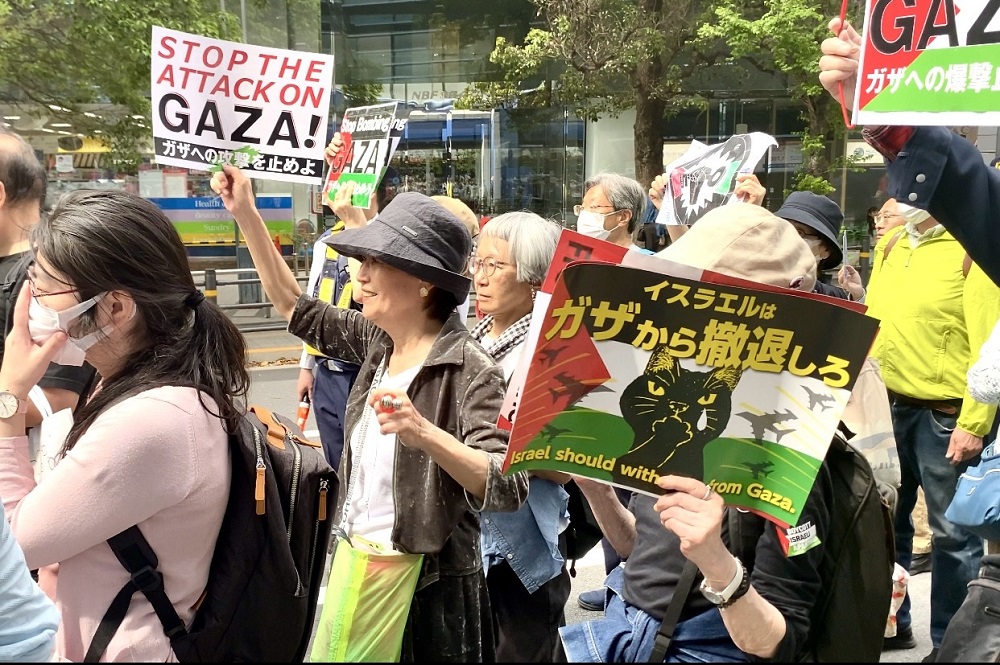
(460, 389)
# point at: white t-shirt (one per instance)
(372, 511)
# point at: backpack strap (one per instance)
(665, 635)
(139, 559)
(744, 530)
(889, 245)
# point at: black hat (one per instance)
(418, 236)
(820, 214)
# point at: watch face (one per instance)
(8, 404)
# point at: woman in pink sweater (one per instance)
(110, 284)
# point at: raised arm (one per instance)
(276, 277)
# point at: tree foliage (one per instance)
(784, 36)
(62, 54)
(600, 57)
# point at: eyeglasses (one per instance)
(577, 209)
(38, 293)
(489, 265)
(886, 216)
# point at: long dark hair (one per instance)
(113, 241)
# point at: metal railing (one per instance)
(248, 298)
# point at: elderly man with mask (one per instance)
(917, 291)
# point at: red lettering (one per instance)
(167, 42)
(289, 100)
(166, 75)
(315, 68)
(267, 61)
(191, 45)
(260, 92)
(221, 86)
(216, 53)
(288, 69)
(236, 58)
(237, 87)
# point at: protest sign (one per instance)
(705, 177)
(572, 247)
(261, 109)
(637, 374)
(929, 63)
(370, 135)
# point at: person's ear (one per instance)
(3, 194)
(626, 218)
(121, 307)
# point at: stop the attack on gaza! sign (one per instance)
(262, 109)
(930, 62)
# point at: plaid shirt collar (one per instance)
(507, 340)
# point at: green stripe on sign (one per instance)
(946, 79)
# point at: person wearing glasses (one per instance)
(611, 209)
(523, 553)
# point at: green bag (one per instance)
(369, 591)
(367, 602)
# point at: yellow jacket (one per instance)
(919, 296)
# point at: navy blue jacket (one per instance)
(941, 172)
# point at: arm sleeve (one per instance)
(480, 408)
(337, 333)
(936, 171)
(136, 459)
(981, 305)
(30, 620)
(984, 375)
(792, 583)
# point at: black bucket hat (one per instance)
(418, 236)
(822, 215)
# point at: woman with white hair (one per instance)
(611, 209)
(526, 570)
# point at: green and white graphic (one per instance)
(927, 62)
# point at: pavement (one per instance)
(274, 371)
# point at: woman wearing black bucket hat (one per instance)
(425, 450)
(818, 220)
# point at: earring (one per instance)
(534, 292)
(424, 292)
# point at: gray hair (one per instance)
(532, 240)
(624, 193)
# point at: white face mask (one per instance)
(592, 224)
(44, 322)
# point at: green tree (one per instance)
(60, 55)
(784, 36)
(601, 57)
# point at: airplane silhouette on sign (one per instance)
(549, 355)
(766, 422)
(818, 399)
(759, 470)
(550, 431)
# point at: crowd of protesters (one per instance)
(102, 314)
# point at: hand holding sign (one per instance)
(235, 191)
(839, 64)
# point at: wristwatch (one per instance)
(11, 404)
(733, 591)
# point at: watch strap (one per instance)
(741, 589)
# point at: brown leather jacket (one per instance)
(460, 389)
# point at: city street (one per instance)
(274, 386)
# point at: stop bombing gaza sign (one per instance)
(930, 62)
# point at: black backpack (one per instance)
(848, 619)
(263, 585)
(973, 634)
(583, 531)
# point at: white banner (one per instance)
(262, 109)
